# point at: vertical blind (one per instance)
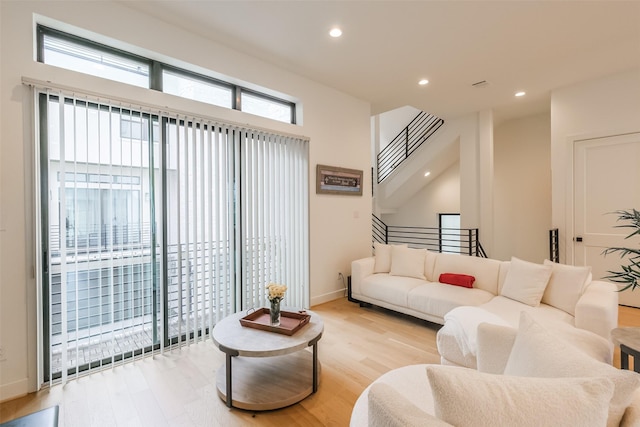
(274, 188)
(156, 225)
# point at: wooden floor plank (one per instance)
(179, 387)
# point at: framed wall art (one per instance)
(335, 180)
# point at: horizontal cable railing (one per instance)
(450, 240)
(99, 238)
(406, 142)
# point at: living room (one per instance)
(338, 126)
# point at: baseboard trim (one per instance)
(14, 390)
(321, 299)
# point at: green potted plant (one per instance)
(630, 274)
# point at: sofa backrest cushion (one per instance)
(499, 400)
(504, 269)
(566, 285)
(383, 257)
(538, 353)
(485, 270)
(429, 265)
(408, 262)
(526, 281)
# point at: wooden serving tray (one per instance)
(290, 322)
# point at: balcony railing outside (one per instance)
(110, 313)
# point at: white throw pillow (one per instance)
(537, 353)
(465, 397)
(408, 262)
(383, 257)
(565, 286)
(526, 281)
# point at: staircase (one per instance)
(418, 131)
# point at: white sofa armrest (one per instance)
(360, 269)
(494, 347)
(389, 408)
(597, 309)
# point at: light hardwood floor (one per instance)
(178, 388)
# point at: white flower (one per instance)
(276, 291)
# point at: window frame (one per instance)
(42, 31)
(157, 68)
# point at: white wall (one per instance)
(338, 126)
(606, 106)
(522, 189)
(441, 195)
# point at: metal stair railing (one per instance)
(406, 142)
(554, 245)
(451, 240)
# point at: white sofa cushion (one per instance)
(438, 299)
(526, 281)
(496, 341)
(383, 257)
(408, 262)
(485, 270)
(508, 401)
(510, 310)
(537, 353)
(389, 408)
(565, 286)
(392, 289)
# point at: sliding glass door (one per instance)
(155, 226)
(99, 252)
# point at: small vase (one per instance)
(274, 311)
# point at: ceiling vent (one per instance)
(482, 83)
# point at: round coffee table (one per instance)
(266, 370)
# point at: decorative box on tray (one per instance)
(290, 322)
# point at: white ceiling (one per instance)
(387, 46)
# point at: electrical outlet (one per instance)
(3, 356)
(340, 277)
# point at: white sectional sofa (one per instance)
(564, 298)
(529, 376)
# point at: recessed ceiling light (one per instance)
(427, 173)
(521, 93)
(423, 82)
(335, 32)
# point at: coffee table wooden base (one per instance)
(262, 384)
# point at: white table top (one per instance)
(629, 336)
(250, 342)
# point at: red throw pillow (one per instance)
(463, 280)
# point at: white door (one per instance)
(606, 179)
